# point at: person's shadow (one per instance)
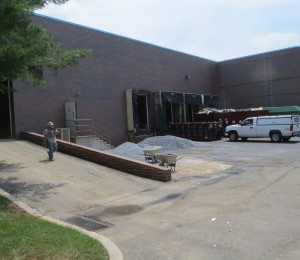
(45, 161)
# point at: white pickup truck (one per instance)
(278, 128)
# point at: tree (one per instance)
(27, 49)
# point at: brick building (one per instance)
(124, 82)
(268, 79)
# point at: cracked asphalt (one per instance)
(226, 200)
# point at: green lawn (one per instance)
(23, 236)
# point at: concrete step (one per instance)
(93, 142)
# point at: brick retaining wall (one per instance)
(138, 168)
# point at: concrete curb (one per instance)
(113, 251)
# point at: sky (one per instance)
(217, 30)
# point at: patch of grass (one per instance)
(23, 236)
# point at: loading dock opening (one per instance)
(152, 113)
(194, 103)
(174, 112)
(142, 112)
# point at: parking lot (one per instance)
(227, 200)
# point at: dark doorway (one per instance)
(174, 112)
(142, 111)
(191, 110)
(189, 113)
(169, 116)
(178, 113)
(6, 130)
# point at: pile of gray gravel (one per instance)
(129, 150)
(169, 143)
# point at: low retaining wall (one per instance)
(138, 168)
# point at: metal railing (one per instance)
(64, 134)
(86, 127)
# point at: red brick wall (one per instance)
(141, 169)
(116, 64)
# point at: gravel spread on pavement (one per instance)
(169, 144)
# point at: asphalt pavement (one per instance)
(227, 200)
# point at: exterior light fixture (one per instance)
(187, 77)
(78, 93)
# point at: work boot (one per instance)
(50, 156)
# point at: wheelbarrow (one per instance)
(168, 160)
(150, 152)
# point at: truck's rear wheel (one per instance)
(275, 137)
(233, 136)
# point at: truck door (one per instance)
(247, 128)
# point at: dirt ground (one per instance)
(226, 201)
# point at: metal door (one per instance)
(70, 117)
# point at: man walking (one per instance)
(50, 139)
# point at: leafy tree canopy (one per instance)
(27, 49)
